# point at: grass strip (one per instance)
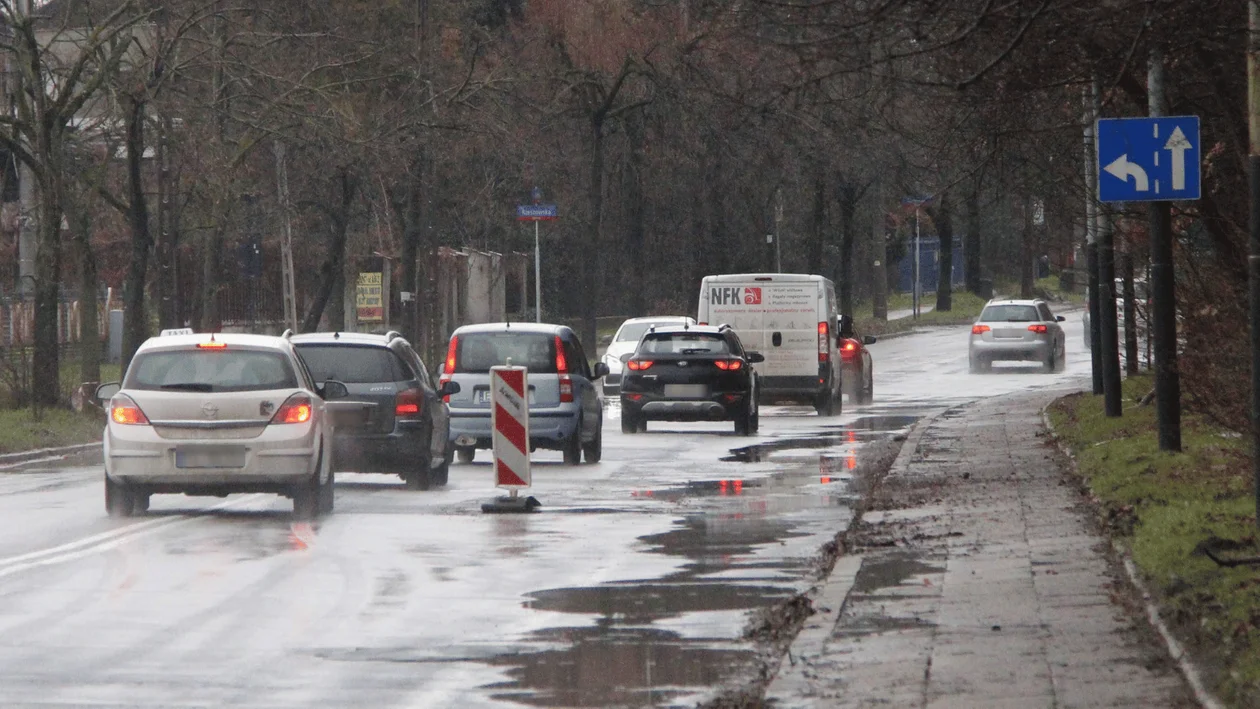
(1165, 508)
(19, 432)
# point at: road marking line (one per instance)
(104, 541)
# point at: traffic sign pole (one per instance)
(1163, 284)
(537, 276)
(1253, 258)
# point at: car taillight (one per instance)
(451, 349)
(730, 365)
(562, 362)
(849, 351)
(824, 342)
(703, 324)
(979, 329)
(566, 389)
(123, 410)
(297, 409)
(441, 383)
(638, 365)
(1040, 329)
(408, 404)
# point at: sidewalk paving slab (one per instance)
(979, 579)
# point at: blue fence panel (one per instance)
(929, 265)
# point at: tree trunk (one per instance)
(879, 262)
(1026, 274)
(210, 267)
(590, 250)
(847, 193)
(167, 236)
(635, 246)
(943, 217)
(972, 242)
(331, 268)
(89, 323)
(818, 244)
(1130, 312)
(135, 321)
(406, 205)
(46, 356)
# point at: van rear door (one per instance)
(779, 320)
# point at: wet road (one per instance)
(631, 587)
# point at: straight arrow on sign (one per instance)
(1178, 145)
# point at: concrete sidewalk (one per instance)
(979, 580)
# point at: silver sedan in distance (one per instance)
(1017, 330)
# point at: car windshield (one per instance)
(478, 352)
(684, 343)
(632, 332)
(352, 364)
(218, 370)
(1009, 313)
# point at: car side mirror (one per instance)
(754, 357)
(1059, 318)
(626, 357)
(448, 388)
(601, 370)
(868, 340)
(333, 389)
(106, 391)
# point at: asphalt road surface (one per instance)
(631, 587)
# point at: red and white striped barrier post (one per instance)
(509, 420)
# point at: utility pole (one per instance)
(286, 239)
(1110, 340)
(778, 231)
(1163, 286)
(1091, 246)
(1253, 258)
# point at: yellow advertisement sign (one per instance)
(370, 303)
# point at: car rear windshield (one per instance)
(352, 364)
(1010, 313)
(634, 331)
(478, 352)
(218, 370)
(684, 343)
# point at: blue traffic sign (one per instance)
(1148, 159)
(534, 212)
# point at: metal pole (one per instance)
(1110, 340)
(1091, 246)
(1253, 258)
(537, 277)
(1164, 296)
(916, 295)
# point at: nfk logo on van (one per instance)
(735, 295)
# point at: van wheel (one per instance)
(119, 501)
(466, 454)
(825, 404)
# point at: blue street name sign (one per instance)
(1148, 159)
(535, 212)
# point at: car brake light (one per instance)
(702, 324)
(824, 342)
(211, 345)
(979, 329)
(850, 346)
(450, 354)
(123, 410)
(297, 409)
(728, 364)
(562, 363)
(566, 389)
(1038, 328)
(638, 365)
(408, 404)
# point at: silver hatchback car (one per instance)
(1017, 330)
(212, 414)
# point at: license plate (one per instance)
(686, 391)
(209, 458)
(481, 397)
(351, 418)
(1008, 334)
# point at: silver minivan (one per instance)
(565, 406)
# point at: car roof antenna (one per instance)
(337, 335)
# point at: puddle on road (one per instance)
(860, 430)
(729, 544)
(624, 667)
(891, 570)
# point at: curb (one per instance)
(12, 459)
(1176, 651)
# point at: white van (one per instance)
(792, 320)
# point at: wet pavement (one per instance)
(633, 586)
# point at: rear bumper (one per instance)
(281, 457)
(391, 453)
(549, 429)
(1014, 351)
(797, 388)
(719, 407)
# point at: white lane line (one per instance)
(104, 541)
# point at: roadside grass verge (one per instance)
(966, 308)
(20, 432)
(1164, 507)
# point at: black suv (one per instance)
(401, 424)
(690, 373)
